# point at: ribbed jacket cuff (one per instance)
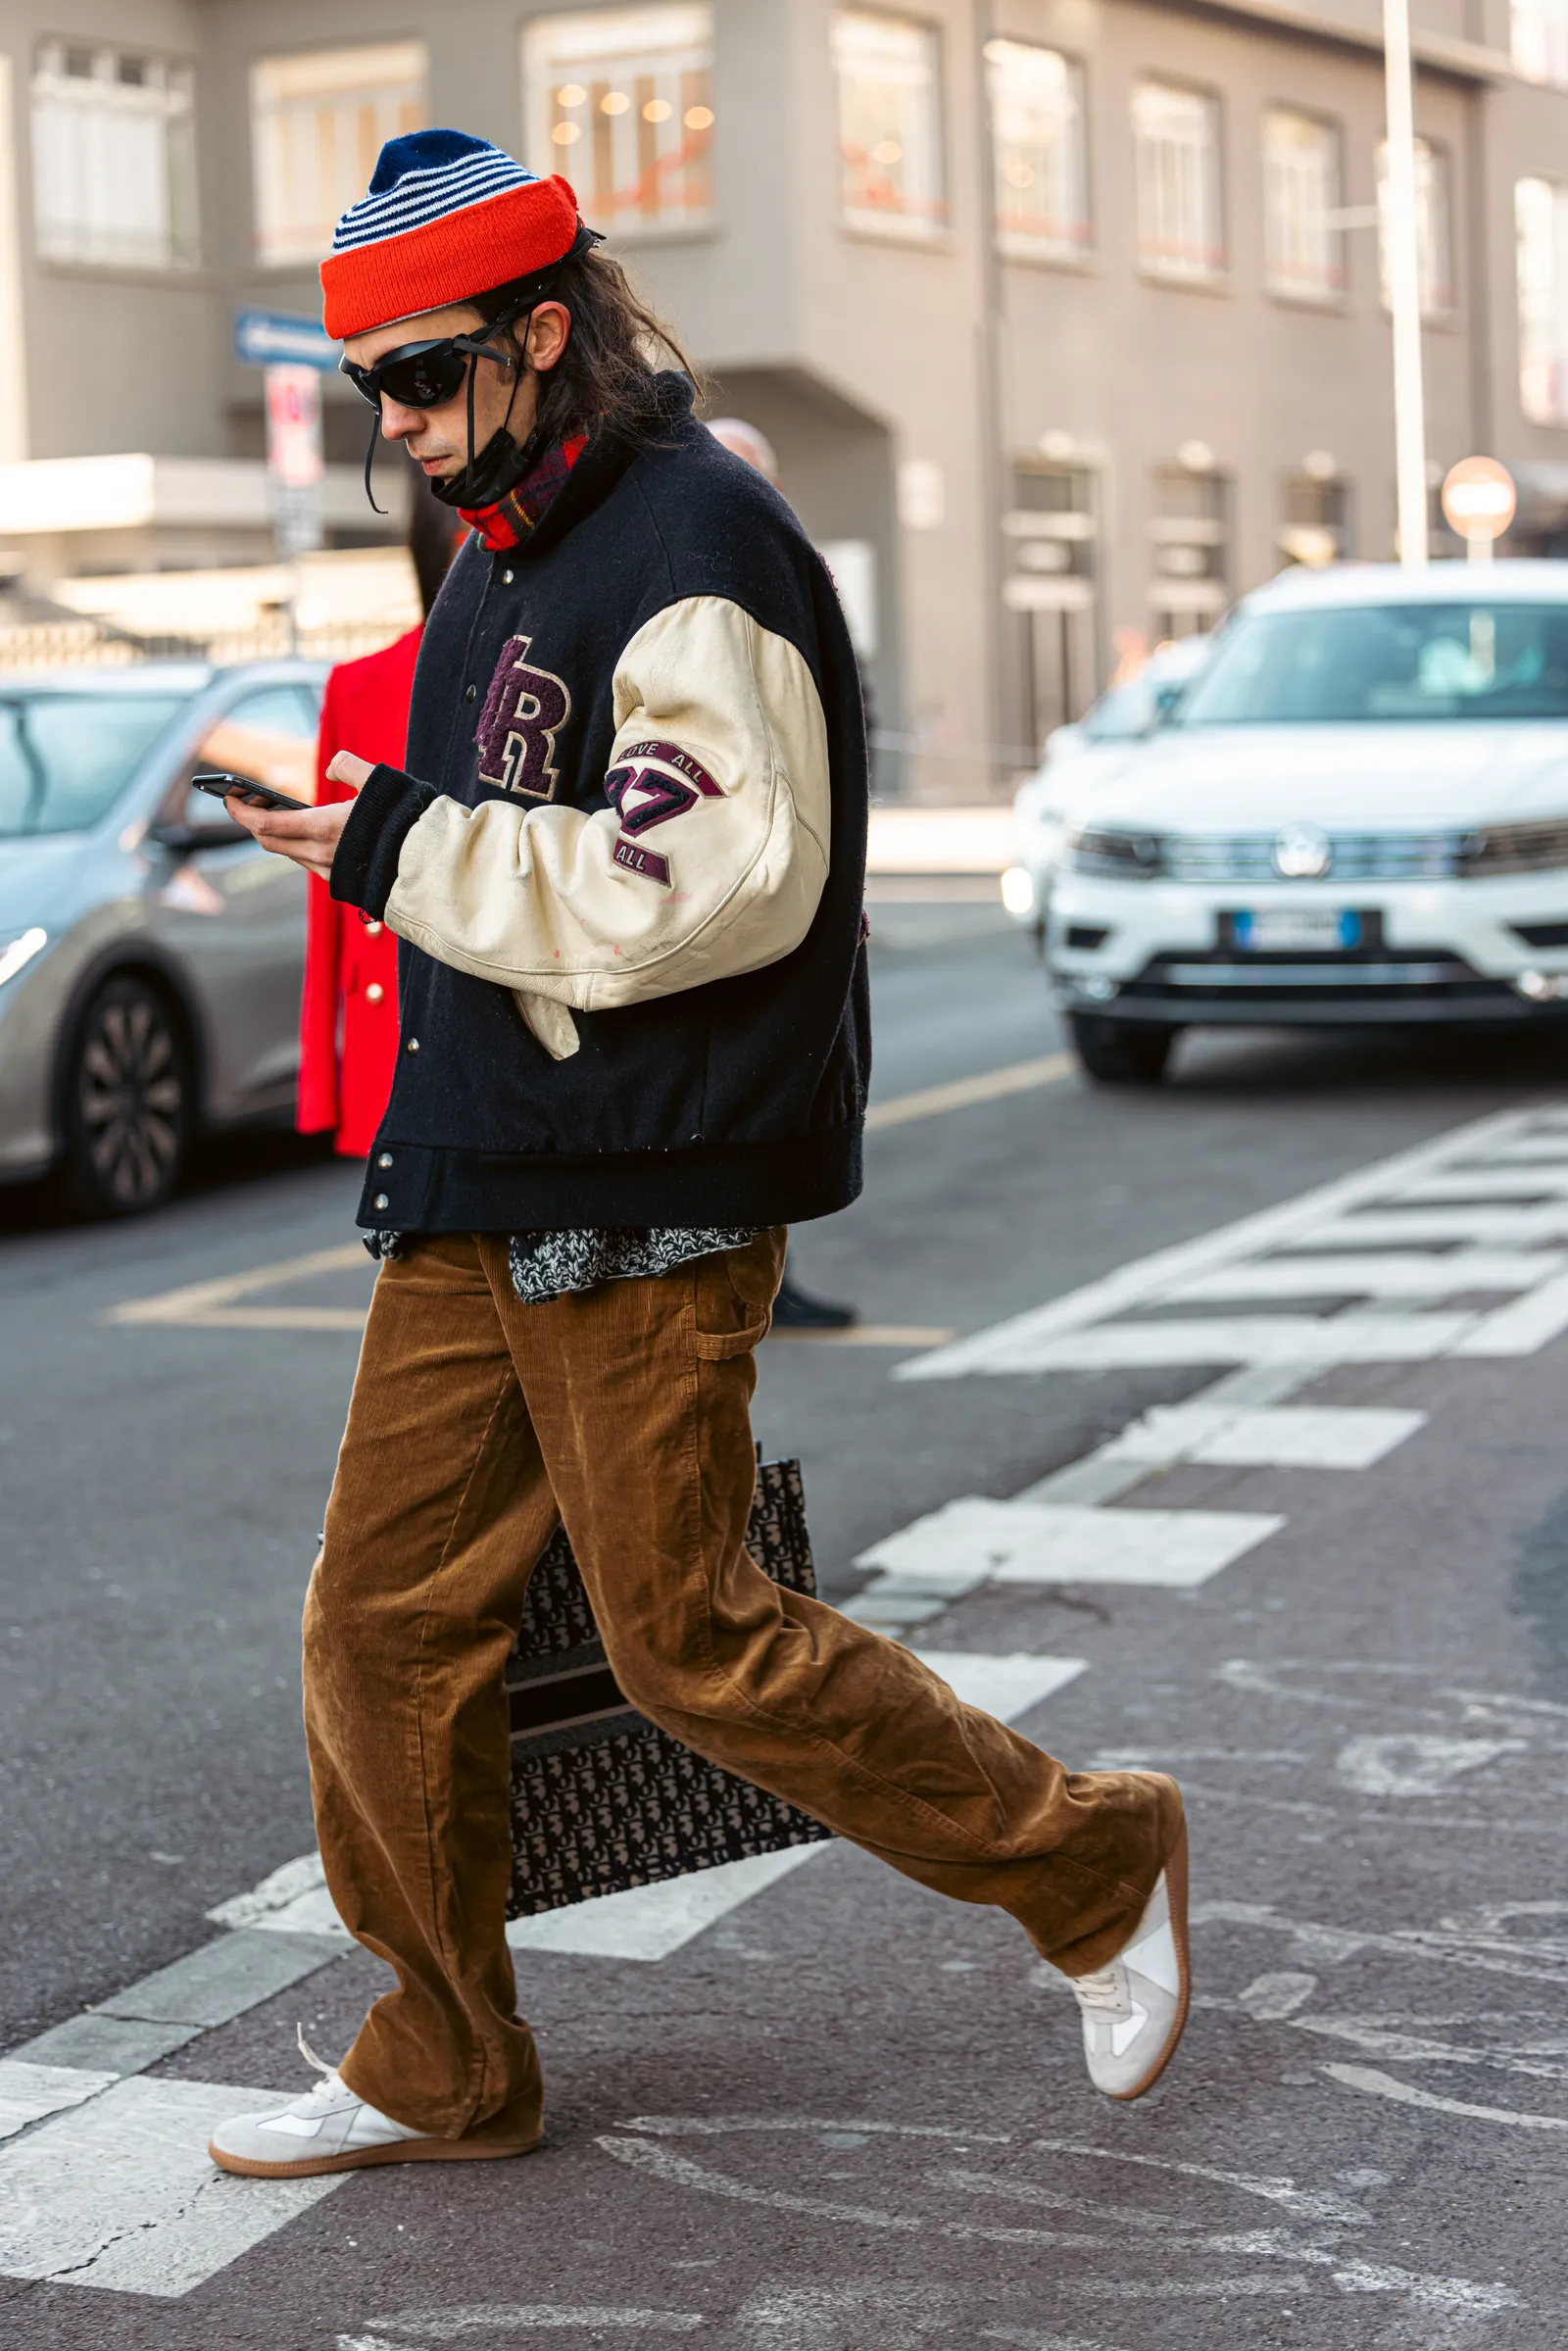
(365, 867)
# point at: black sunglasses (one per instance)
(425, 375)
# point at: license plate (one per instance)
(1310, 928)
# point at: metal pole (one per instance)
(1404, 287)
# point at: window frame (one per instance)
(184, 257)
(1012, 245)
(269, 253)
(540, 73)
(1206, 281)
(1441, 154)
(894, 228)
(1539, 14)
(1552, 355)
(1335, 295)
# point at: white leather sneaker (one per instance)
(330, 2129)
(1134, 2010)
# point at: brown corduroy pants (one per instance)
(475, 1421)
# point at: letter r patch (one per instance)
(524, 711)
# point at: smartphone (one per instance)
(254, 796)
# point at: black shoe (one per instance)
(795, 1310)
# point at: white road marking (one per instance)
(272, 1903)
(444, 2325)
(650, 1921)
(1307, 2204)
(28, 2092)
(1489, 1952)
(1277, 1437)
(1378, 2038)
(1017, 1543)
(1413, 1763)
(1313, 1340)
(1387, 1273)
(1378, 2084)
(1521, 1327)
(1005, 1686)
(121, 2193)
(1479, 1182)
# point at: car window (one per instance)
(64, 758)
(269, 735)
(1379, 662)
(1122, 712)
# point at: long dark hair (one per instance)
(607, 376)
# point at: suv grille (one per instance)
(1354, 856)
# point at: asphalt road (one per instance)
(847, 2117)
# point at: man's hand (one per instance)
(311, 836)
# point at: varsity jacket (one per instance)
(626, 866)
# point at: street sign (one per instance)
(1479, 502)
(281, 338)
(294, 461)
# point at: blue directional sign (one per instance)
(283, 339)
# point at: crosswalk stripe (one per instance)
(1274, 1436)
(1021, 1542)
(1520, 1329)
(120, 2192)
(1368, 1273)
(1305, 1339)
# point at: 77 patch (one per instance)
(645, 795)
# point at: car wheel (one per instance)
(127, 1101)
(1120, 1053)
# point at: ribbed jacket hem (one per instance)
(433, 1191)
(364, 868)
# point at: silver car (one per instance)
(150, 955)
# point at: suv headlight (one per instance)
(1539, 847)
(1113, 856)
(18, 952)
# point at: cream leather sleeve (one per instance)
(710, 862)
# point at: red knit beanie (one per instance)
(447, 216)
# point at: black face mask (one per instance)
(497, 468)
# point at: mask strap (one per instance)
(471, 344)
(369, 459)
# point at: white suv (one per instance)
(1357, 816)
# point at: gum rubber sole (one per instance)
(1176, 1888)
(361, 2159)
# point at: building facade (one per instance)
(1066, 318)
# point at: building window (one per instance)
(1540, 209)
(1540, 41)
(1314, 528)
(1433, 228)
(1189, 535)
(1181, 231)
(890, 126)
(114, 158)
(318, 120)
(1040, 163)
(621, 101)
(1302, 239)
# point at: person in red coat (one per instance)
(349, 1008)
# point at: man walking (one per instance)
(626, 866)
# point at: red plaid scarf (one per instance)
(511, 519)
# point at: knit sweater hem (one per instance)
(429, 1190)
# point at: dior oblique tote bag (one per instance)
(601, 1798)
